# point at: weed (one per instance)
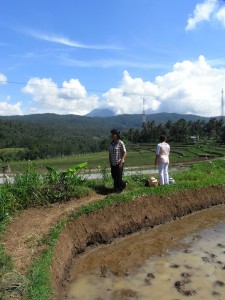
(104, 173)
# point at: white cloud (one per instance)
(7, 109)
(202, 12)
(72, 98)
(210, 11)
(128, 98)
(191, 87)
(220, 15)
(3, 79)
(60, 39)
(108, 63)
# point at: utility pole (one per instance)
(222, 106)
(144, 115)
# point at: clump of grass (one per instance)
(39, 277)
(6, 264)
(6, 267)
(27, 187)
(12, 284)
(8, 202)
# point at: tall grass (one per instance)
(31, 188)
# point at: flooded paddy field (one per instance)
(180, 259)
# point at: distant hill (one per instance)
(51, 135)
(101, 113)
(157, 117)
(160, 118)
(98, 125)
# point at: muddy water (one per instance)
(169, 262)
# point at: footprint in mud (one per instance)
(219, 283)
(221, 245)
(207, 259)
(150, 275)
(212, 255)
(175, 266)
(148, 279)
(221, 264)
(214, 293)
(181, 285)
(186, 275)
(210, 258)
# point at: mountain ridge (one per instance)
(122, 122)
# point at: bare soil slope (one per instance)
(22, 238)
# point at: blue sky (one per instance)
(73, 56)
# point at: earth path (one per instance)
(22, 237)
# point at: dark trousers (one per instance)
(117, 173)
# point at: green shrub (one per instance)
(8, 202)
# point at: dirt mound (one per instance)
(119, 220)
(22, 238)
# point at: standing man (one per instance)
(117, 155)
(162, 159)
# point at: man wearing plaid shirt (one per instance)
(117, 155)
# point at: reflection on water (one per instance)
(169, 262)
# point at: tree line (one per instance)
(181, 131)
(20, 140)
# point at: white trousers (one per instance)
(163, 173)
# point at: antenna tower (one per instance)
(222, 105)
(144, 115)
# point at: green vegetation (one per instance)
(198, 176)
(40, 152)
(40, 189)
(180, 131)
(48, 135)
(138, 155)
(32, 188)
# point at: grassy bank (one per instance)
(33, 189)
(199, 176)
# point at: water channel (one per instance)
(175, 261)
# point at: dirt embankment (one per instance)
(23, 237)
(118, 220)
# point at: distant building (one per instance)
(194, 138)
